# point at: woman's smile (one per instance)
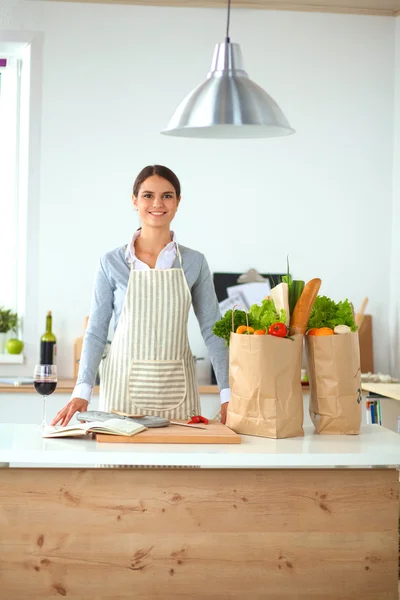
(157, 213)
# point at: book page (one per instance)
(111, 426)
(118, 427)
(69, 430)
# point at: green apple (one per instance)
(14, 346)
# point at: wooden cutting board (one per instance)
(215, 433)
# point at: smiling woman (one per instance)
(150, 285)
(156, 197)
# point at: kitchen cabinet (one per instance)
(265, 519)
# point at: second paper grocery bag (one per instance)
(265, 381)
(335, 383)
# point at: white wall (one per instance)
(9, 14)
(113, 76)
(395, 273)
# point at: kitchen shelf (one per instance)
(11, 359)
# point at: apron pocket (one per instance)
(157, 384)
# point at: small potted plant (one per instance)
(8, 322)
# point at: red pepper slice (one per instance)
(198, 419)
(194, 419)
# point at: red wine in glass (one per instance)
(45, 388)
(45, 382)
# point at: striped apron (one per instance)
(150, 369)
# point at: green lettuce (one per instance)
(327, 313)
(259, 317)
(265, 315)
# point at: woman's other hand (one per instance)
(75, 405)
(224, 409)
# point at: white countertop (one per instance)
(375, 446)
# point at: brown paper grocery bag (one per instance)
(335, 383)
(265, 381)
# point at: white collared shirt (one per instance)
(165, 259)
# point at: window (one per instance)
(9, 176)
(21, 72)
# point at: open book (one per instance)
(111, 426)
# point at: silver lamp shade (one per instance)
(228, 104)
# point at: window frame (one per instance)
(29, 45)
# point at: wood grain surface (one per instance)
(198, 534)
(387, 390)
(214, 433)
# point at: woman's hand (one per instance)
(224, 408)
(65, 414)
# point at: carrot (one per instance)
(303, 308)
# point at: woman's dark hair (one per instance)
(161, 172)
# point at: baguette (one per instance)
(303, 308)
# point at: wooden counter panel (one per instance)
(199, 534)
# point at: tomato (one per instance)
(278, 330)
(312, 331)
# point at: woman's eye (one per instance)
(147, 195)
(168, 196)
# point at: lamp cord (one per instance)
(228, 22)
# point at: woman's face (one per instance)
(156, 202)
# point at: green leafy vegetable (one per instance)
(295, 287)
(223, 327)
(259, 317)
(8, 320)
(264, 315)
(327, 313)
(287, 278)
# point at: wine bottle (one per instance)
(48, 348)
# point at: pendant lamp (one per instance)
(228, 104)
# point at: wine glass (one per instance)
(45, 382)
